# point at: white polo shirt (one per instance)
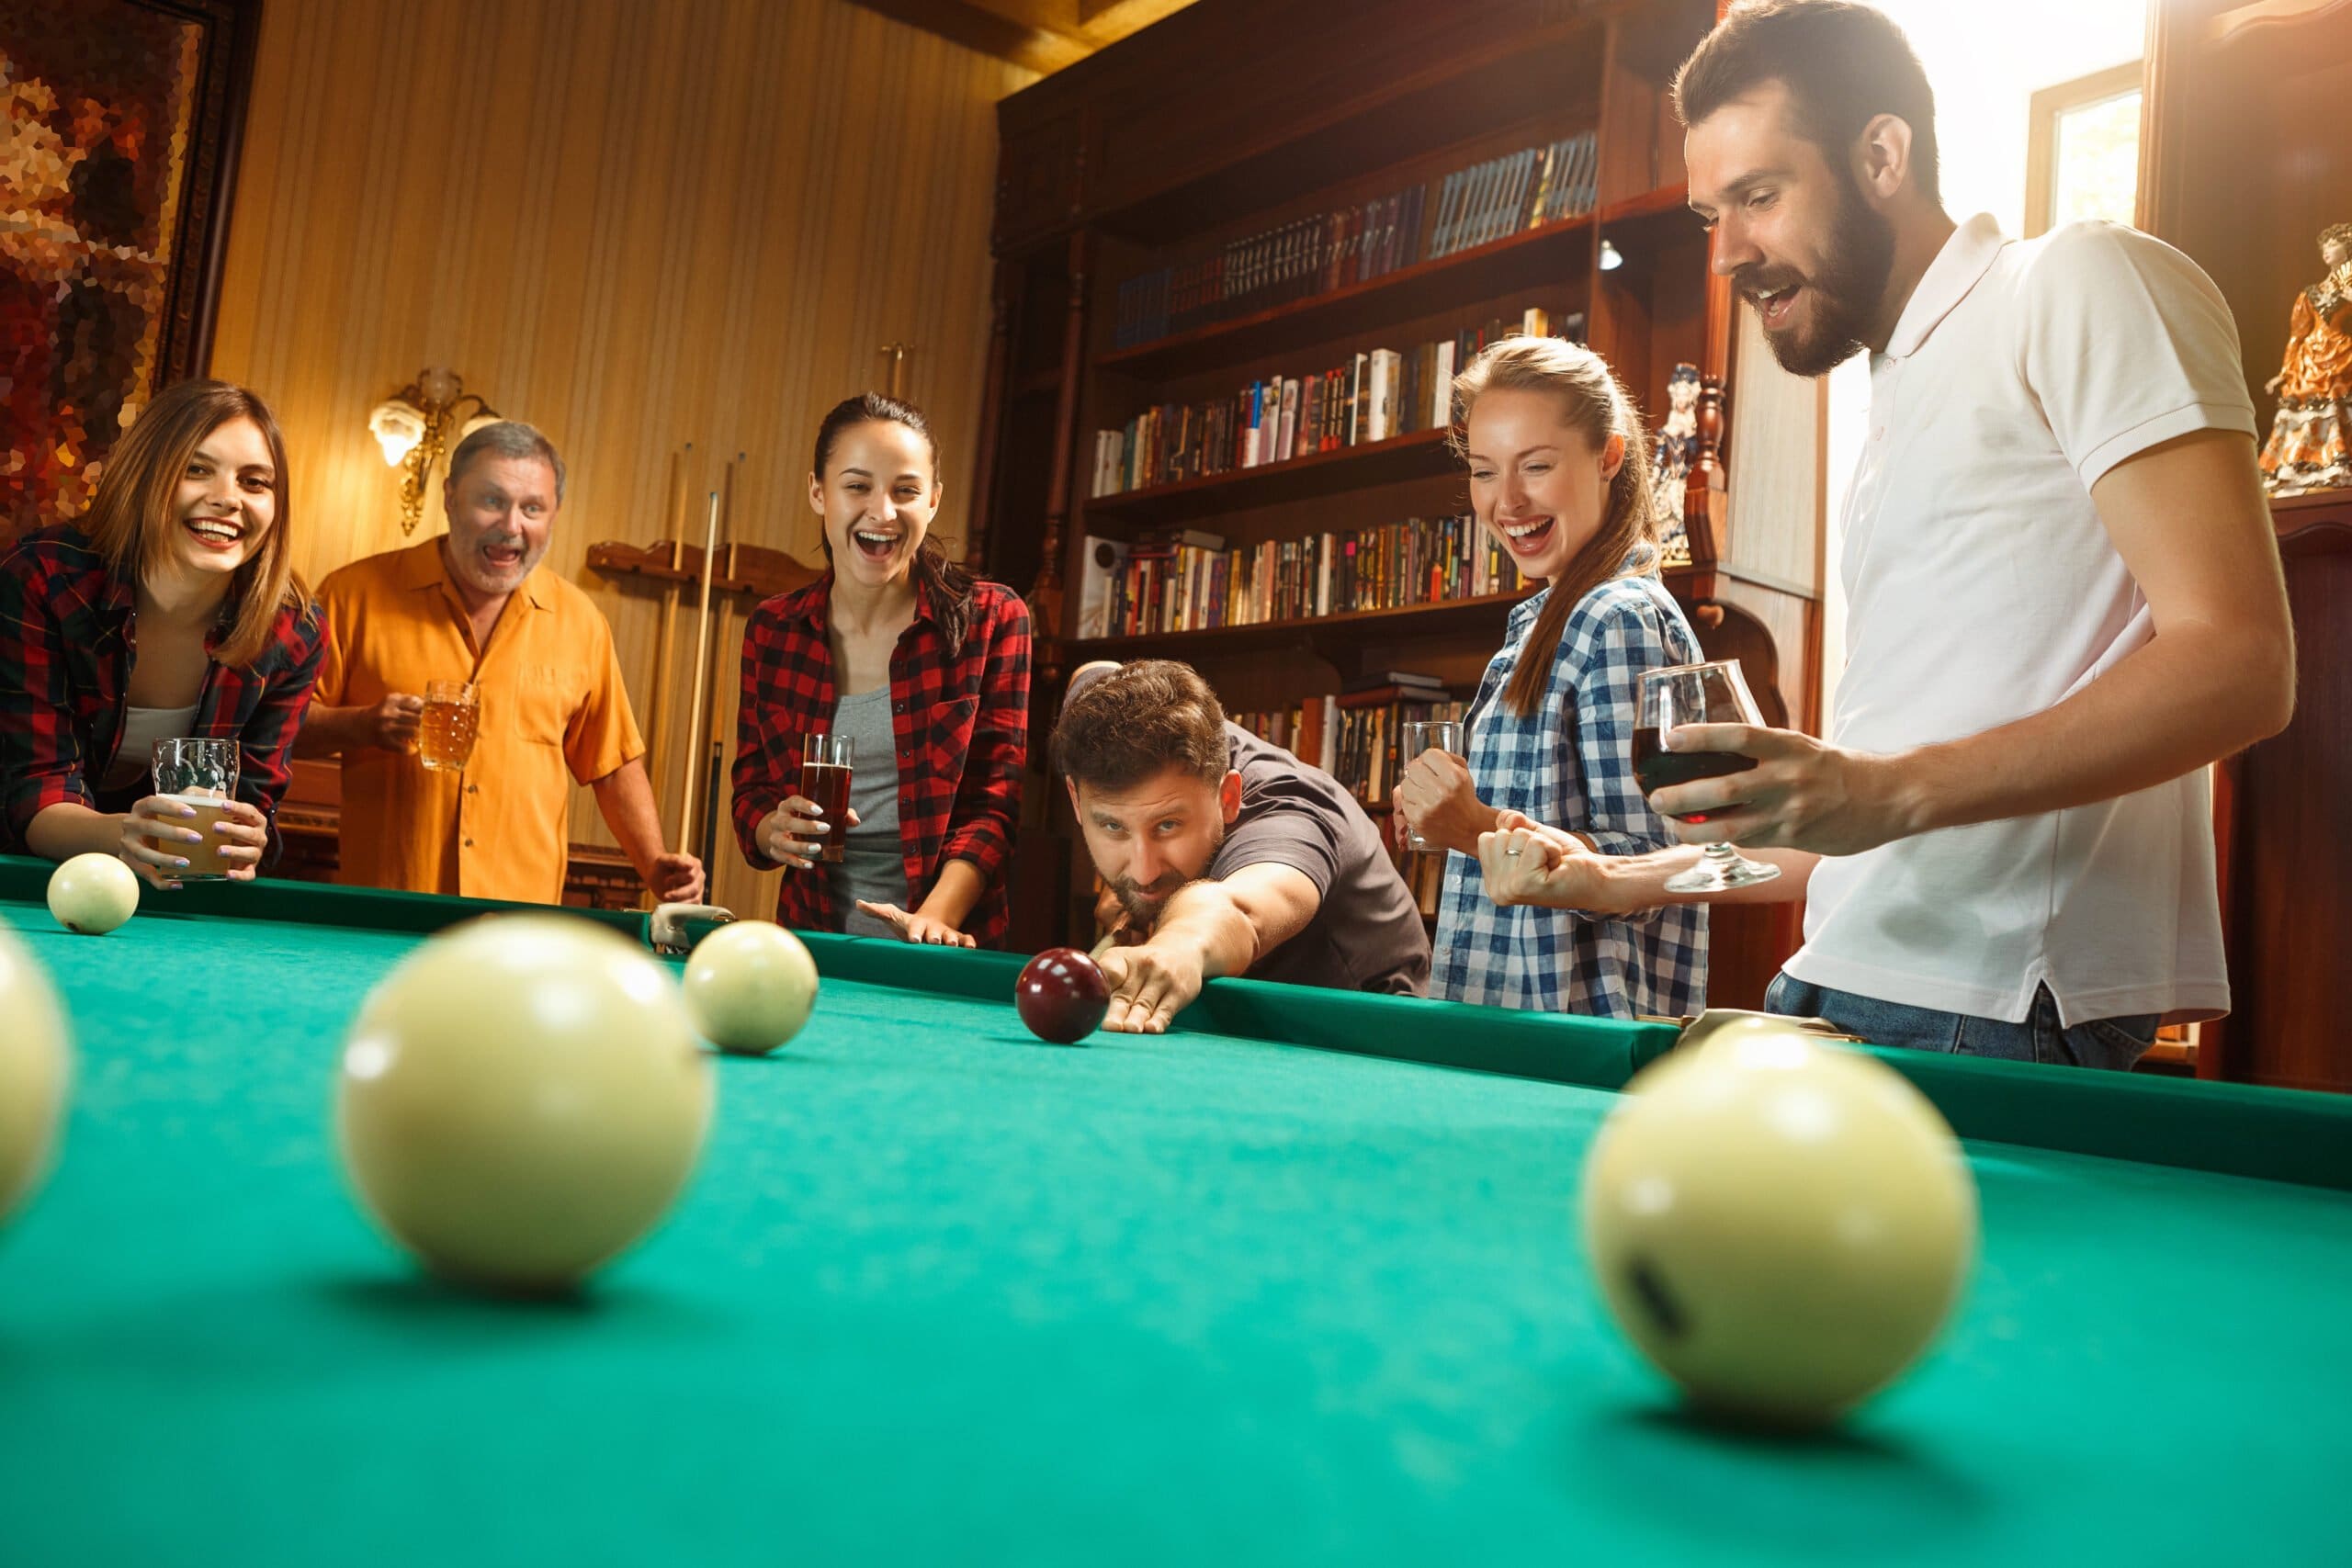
(1982, 588)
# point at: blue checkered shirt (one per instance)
(1571, 764)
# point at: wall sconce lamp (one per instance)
(1611, 258)
(412, 427)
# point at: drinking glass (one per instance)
(1714, 692)
(200, 773)
(824, 778)
(1427, 735)
(445, 730)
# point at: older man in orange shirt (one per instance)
(471, 605)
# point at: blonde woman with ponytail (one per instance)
(1559, 476)
(924, 666)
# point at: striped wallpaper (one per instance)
(635, 224)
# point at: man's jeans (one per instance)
(2100, 1042)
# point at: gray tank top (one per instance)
(873, 866)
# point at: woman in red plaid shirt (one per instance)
(170, 609)
(925, 667)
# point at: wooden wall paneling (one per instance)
(634, 224)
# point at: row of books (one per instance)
(1328, 251)
(1378, 395)
(1518, 190)
(1306, 256)
(1355, 735)
(1183, 581)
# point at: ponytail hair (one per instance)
(949, 585)
(1597, 406)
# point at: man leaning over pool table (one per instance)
(1225, 854)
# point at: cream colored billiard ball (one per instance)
(1780, 1226)
(93, 894)
(750, 986)
(521, 1098)
(36, 1065)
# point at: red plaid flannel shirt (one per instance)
(66, 633)
(962, 726)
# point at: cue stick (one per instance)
(711, 798)
(719, 653)
(673, 524)
(702, 657)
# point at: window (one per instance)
(2083, 150)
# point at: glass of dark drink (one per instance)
(824, 778)
(1697, 694)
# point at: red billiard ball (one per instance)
(1061, 996)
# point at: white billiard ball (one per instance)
(93, 894)
(521, 1098)
(1781, 1225)
(36, 1065)
(750, 986)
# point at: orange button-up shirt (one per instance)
(553, 709)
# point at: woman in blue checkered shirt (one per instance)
(1560, 476)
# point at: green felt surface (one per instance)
(942, 1294)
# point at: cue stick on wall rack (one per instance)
(674, 528)
(702, 660)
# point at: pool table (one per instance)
(1297, 1282)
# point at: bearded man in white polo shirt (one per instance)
(2066, 597)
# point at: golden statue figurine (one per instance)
(2307, 450)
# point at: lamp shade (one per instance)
(397, 426)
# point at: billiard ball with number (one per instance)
(1061, 996)
(93, 894)
(750, 986)
(35, 1065)
(1781, 1225)
(521, 1098)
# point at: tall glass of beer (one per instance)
(824, 778)
(445, 730)
(202, 774)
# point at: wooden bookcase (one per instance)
(1231, 118)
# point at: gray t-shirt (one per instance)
(873, 865)
(1367, 935)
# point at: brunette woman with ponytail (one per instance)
(1560, 477)
(927, 670)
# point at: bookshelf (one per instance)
(1180, 223)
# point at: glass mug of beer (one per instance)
(201, 774)
(824, 778)
(446, 731)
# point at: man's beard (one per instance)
(1144, 904)
(1855, 266)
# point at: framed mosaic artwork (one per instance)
(119, 123)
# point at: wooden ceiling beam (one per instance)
(1044, 35)
(1040, 50)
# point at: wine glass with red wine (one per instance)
(1697, 694)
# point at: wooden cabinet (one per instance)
(1231, 119)
(2241, 165)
